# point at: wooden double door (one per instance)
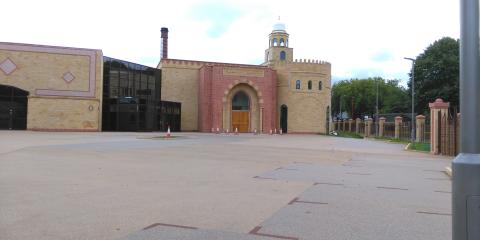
(240, 121)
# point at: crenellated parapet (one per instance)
(199, 64)
(310, 61)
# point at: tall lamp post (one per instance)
(412, 137)
(466, 166)
(376, 114)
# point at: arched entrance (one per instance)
(241, 109)
(240, 112)
(327, 121)
(284, 118)
(13, 108)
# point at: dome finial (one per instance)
(279, 26)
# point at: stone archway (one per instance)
(13, 108)
(254, 119)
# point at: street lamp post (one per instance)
(412, 137)
(466, 166)
(376, 115)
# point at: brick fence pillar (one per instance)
(420, 128)
(381, 126)
(398, 125)
(350, 123)
(438, 109)
(357, 125)
(368, 127)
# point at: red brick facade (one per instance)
(215, 84)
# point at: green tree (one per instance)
(437, 74)
(358, 97)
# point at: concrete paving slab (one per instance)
(188, 233)
(110, 185)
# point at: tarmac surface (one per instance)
(139, 186)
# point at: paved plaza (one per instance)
(137, 186)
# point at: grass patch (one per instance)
(424, 147)
(348, 135)
(393, 140)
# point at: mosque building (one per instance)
(281, 93)
(50, 88)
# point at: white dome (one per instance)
(280, 27)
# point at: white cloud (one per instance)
(347, 33)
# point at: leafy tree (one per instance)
(437, 74)
(358, 97)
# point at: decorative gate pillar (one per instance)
(420, 129)
(438, 109)
(357, 125)
(398, 125)
(368, 127)
(381, 126)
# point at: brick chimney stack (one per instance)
(164, 43)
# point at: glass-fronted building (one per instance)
(132, 99)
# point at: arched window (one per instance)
(319, 85)
(309, 85)
(240, 101)
(275, 43)
(283, 55)
(297, 84)
(282, 42)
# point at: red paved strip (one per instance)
(327, 183)
(256, 230)
(355, 173)
(438, 179)
(435, 213)
(393, 188)
(443, 191)
(264, 178)
(295, 200)
(322, 203)
(168, 225)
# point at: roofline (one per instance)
(49, 46)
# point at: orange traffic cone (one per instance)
(275, 131)
(168, 132)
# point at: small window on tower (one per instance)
(282, 42)
(275, 43)
(319, 85)
(283, 55)
(297, 84)
(309, 85)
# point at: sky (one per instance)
(361, 39)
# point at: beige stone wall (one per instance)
(57, 113)
(180, 84)
(56, 103)
(306, 108)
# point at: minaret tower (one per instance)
(278, 49)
